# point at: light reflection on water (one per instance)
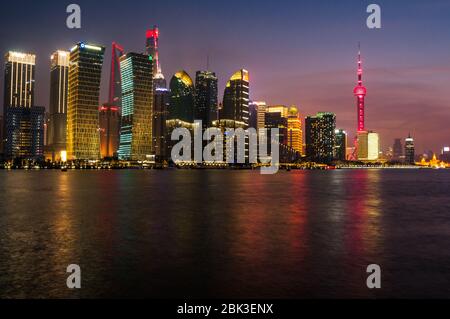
(224, 233)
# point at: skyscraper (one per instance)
(235, 108)
(368, 146)
(160, 115)
(206, 102)
(320, 137)
(410, 152)
(137, 107)
(110, 112)
(340, 145)
(181, 98)
(160, 98)
(19, 79)
(85, 70)
(397, 149)
(109, 121)
(360, 92)
(277, 117)
(115, 79)
(59, 79)
(295, 130)
(23, 121)
(253, 115)
(152, 49)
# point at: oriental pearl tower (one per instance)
(360, 92)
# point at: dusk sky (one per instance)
(300, 52)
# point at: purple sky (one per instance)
(297, 52)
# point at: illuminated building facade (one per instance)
(23, 127)
(236, 100)
(410, 152)
(320, 137)
(368, 146)
(25, 132)
(57, 125)
(109, 120)
(137, 107)
(20, 70)
(206, 98)
(181, 98)
(160, 115)
(373, 142)
(277, 117)
(295, 130)
(85, 69)
(181, 105)
(340, 145)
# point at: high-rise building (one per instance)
(368, 146)
(20, 70)
(397, 150)
(109, 121)
(260, 114)
(206, 100)
(57, 125)
(110, 113)
(373, 142)
(340, 145)
(85, 70)
(137, 107)
(295, 130)
(277, 117)
(253, 115)
(160, 98)
(152, 49)
(115, 79)
(181, 98)
(25, 132)
(409, 150)
(23, 127)
(360, 92)
(445, 154)
(236, 100)
(320, 137)
(160, 115)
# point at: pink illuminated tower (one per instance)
(360, 93)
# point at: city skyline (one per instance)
(400, 88)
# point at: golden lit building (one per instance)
(85, 70)
(368, 146)
(295, 130)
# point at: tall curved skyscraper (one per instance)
(236, 100)
(181, 98)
